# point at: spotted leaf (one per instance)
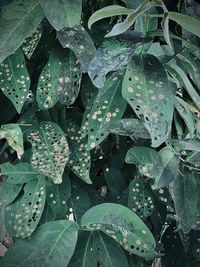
(79, 158)
(14, 136)
(19, 20)
(26, 212)
(19, 173)
(112, 55)
(109, 106)
(140, 199)
(50, 150)
(78, 40)
(29, 45)
(14, 79)
(147, 90)
(124, 226)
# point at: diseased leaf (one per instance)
(113, 54)
(79, 41)
(123, 225)
(52, 244)
(14, 79)
(14, 136)
(147, 90)
(63, 13)
(50, 150)
(108, 107)
(19, 20)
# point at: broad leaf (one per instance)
(8, 192)
(109, 106)
(50, 150)
(147, 90)
(123, 225)
(141, 155)
(15, 80)
(113, 54)
(14, 136)
(78, 40)
(64, 13)
(52, 244)
(20, 20)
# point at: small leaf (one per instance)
(20, 20)
(14, 136)
(108, 107)
(14, 79)
(79, 41)
(123, 225)
(147, 90)
(50, 150)
(113, 54)
(64, 13)
(52, 244)
(19, 173)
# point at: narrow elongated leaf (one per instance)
(147, 90)
(78, 40)
(19, 173)
(52, 244)
(50, 150)
(123, 225)
(14, 136)
(184, 193)
(20, 19)
(14, 79)
(108, 252)
(28, 209)
(109, 106)
(64, 13)
(113, 54)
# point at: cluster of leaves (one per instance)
(100, 129)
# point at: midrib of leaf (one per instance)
(46, 142)
(111, 264)
(84, 255)
(13, 73)
(20, 22)
(67, 18)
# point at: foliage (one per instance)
(100, 133)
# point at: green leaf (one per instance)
(140, 199)
(79, 41)
(8, 192)
(29, 45)
(14, 79)
(19, 173)
(108, 252)
(28, 209)
(147, 90)
(108, 107)
(19, 20)
(64, 13)
(50, 150)
(184, 194)
(14, 136)
(123, 225)
(113, 54)
(141, 155)
(52, 244)
(108, 11)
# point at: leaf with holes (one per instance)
(184, 194)
(50, 150)
(19, 173)
(20, 19)
(147, 90)
(108, 107)
(14, 79)
(124, 226)
(28, 208)
(140, 198)
(29, 45)
(52, 244)
(113, 54)
(58, 195)
(79, 41)
(14, 136)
